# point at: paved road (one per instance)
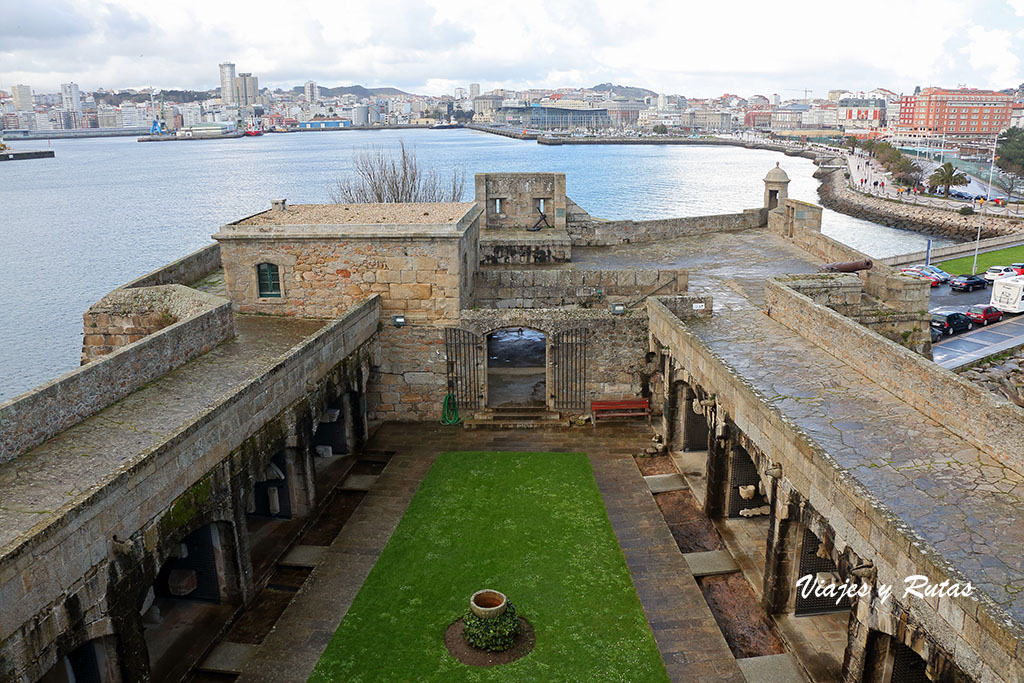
(960, 349)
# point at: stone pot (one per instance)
(488, 604)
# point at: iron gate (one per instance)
(811, 564)
(569, 369)
(695, 425)
(464, 351)
(744, 473)
(907, 666)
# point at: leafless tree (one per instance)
(382, 176)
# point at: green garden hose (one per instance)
(450, 411)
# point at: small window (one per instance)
(269, 280)
(497, 205)
(539, 204)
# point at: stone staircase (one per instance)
(515, 418)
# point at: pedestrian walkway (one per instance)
(691, 644)
(980, 343)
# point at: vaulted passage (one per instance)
(516, 373)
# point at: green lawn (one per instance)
(531, 525)
(1000, 257)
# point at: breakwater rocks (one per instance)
(835, 195)
(1004, 377)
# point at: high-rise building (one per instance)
(227, 83)
(246, 90)
(71, 98)
(964, 112)
(22, 97)
(312, 92)
(474, 90)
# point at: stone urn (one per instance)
(488, 604)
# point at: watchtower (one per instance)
(776, 187)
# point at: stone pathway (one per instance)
(691, 644)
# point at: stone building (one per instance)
(150, 494)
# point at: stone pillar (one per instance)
(782, 556)
(856, 651)
(719, 467)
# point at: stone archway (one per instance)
(516, 368)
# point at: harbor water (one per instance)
(104, 211)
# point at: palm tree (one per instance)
(851, 142)
(946, 175)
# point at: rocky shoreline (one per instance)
(835, 195)
(1004, 377)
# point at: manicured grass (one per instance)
(531, 525)
(1000, 257)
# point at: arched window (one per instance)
(269, 278)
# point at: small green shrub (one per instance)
(966, 211)
(496, 634)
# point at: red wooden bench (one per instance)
(629, 407)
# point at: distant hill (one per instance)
(624, 90)
(357, 90)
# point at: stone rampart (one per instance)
(92, 558)
(955, 251)
(35, 416)
(127, 315)
(836, 195)
(550, 288)
(596, 233)
(503, 247)
(989, 422)
(974, 631)
(184, 271)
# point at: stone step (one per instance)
(711, 563)
(516, 423)
(303, 556)
(771, 669)
(228, 658)
(663, 483)
(517, 415)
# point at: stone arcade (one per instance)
(221, 397)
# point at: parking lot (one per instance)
(962, 348)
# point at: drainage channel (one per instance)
(746, 628)
(254, 624)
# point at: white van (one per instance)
(1008, 294)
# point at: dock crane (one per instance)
(159, 126)
(805, 91)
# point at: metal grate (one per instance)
(811, 564)
(908, 667)
(695, 425)
(85, 664)
(744, 473)
(464, 350)
(569, 369)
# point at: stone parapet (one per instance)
(33, 417)
(596, 233)
(987, 421)
(575, 288)
(973, 631)
(184, 271)
(127, 315)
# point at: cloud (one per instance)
(696, 49)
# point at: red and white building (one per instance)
(966, 112)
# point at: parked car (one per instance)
(942, 275)
(984, 314)
(996, 272)
(1019, 267)
(936, 335)
(968, 283)
(913, 272)
(949, 322)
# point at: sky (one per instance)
(697, 49)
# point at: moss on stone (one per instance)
(187, 505)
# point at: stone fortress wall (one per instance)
(395, 289)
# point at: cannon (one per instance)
(848, 266)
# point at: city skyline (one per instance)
(757, 49)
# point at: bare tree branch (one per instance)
(382, 176)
